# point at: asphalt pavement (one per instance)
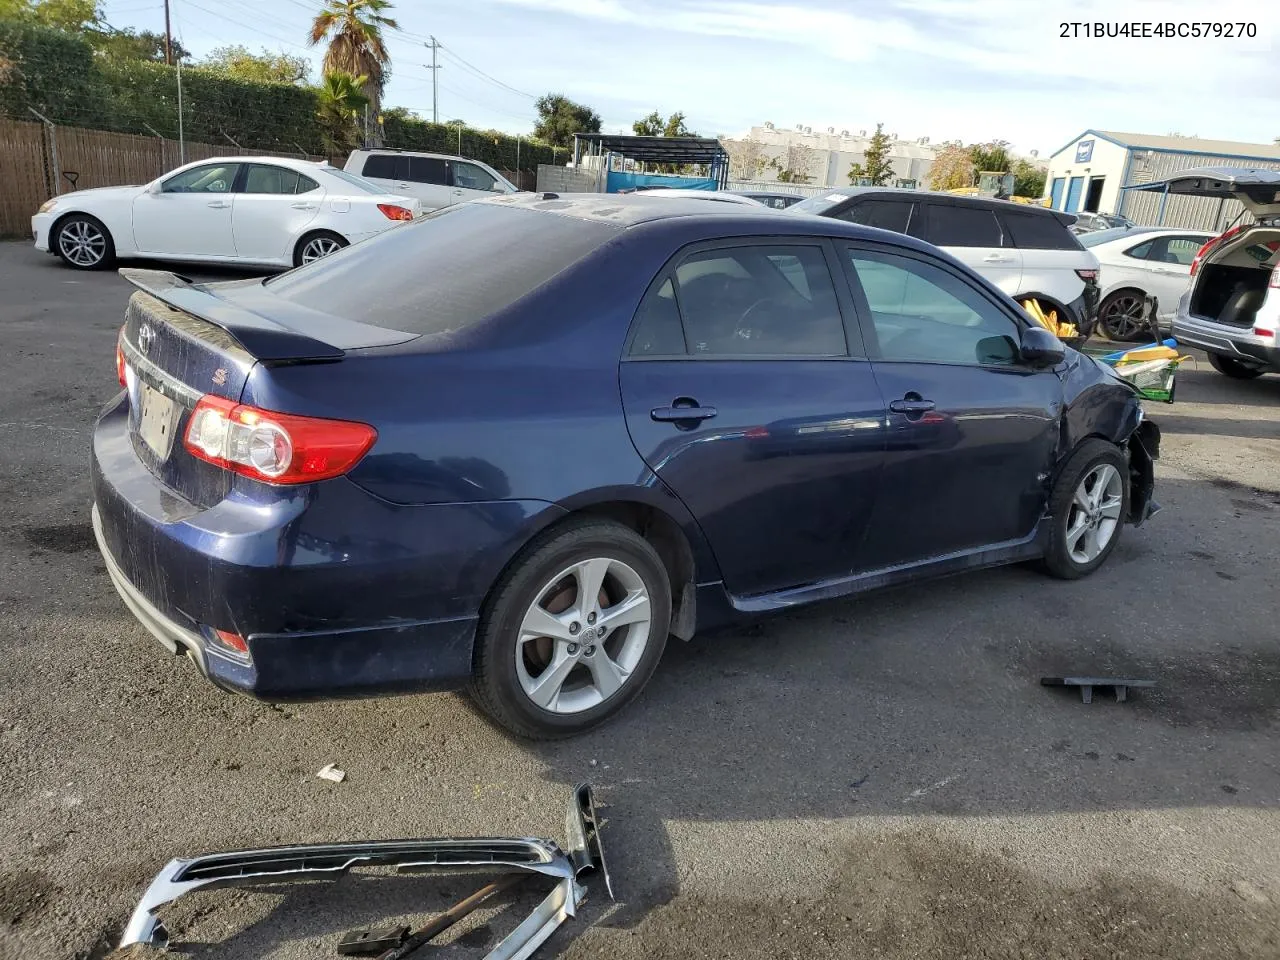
(876, 778)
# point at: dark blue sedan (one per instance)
(518, 443)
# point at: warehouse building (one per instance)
(1091, 172)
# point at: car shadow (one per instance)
(1219, 427)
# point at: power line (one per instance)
(448, 52)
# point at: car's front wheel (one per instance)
(317, 245)
(1233, 368)
(1087, 507)
(573, 631)
(83, 242)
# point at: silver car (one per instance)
(1232, 308)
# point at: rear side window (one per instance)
(446, 271)
(428, 170)
(1032, 231)
(263, 178)
(955, 226)
(385, 166)
(886, 214)
(776, 301)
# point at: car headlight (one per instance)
(46, 206)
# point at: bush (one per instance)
(52, 71)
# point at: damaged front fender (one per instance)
(1144, 450)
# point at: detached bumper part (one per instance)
(1144, 450)
(571, 868)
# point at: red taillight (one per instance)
(394, 212)
(1263, 332)
(1087, 275)
(1204, 250)
(232, 641)
(274, 447)
(120, 375)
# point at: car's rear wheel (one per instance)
(1088, 506)
(1120, 316)
(573, 631)
(1233, 368)
(83, 242)
(316, 246)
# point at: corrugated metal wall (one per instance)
(1193, 213)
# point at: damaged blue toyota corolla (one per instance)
(518, 443)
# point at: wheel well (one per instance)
(62, 218)
(1045, 299)
(1138, 290)
(666, 537)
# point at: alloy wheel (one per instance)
(1122, 317)
(318, 247)
(1095, 513)
(82, 243)
(583, 636)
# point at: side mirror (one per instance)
(155, 188)
(1040, 348)
(498, 188)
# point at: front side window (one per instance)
(1173, 250)
(210, 178)
(264, 178)
(470, 177)
(923, 314)
(958, 226)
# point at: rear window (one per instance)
(885, 214)
(360, 183)
(955, 226)
(445, 271)
(1037, 231)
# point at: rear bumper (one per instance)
(335, 592)
(1238, 343)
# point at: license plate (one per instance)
(157, 421)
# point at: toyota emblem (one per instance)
(145, 336)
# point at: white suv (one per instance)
(434, 178)
(1027, 251)
(1232, 309)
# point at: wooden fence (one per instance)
(37, 161)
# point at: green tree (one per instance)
(559, 118)
(74, 16)
(356, 48)
(875, 166)
(952, 168)
(266, 67)
(991, 157)
(342, 100)
(143, 45)
(650, 126)
(1028, 179)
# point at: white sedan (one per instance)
(268, 211)
(1137, 262)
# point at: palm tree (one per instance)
(342, 99)
(354, 31)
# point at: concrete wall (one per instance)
(554, 179)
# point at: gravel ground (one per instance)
(880, 778)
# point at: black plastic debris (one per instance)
(1086, 685)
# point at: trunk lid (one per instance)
(1258, 189)
(182, 341)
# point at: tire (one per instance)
(1120, 316)
(310, 243)
(1233, 368)
(83, 242)
(546, 575)
(1075, 546)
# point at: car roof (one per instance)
(840, 194)
(723, 196)
(415, 153)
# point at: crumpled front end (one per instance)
(1144, 450)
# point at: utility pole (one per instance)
(433, 46)
(168, 36)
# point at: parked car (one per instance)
(436, 179)
(523, 472)
(1026, 251)
(778, 201)
(267, 211)
(1232, 308)
(1091, 222)
(1137, 262)
(715, 196)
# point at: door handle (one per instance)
(457, 193)
(303, 206)
(219, 204)
(910, 407)
(996, 258)
(683, 412)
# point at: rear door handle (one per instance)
(303, 206)
(219, 204)
(678, 413)
(912, 406)
(996, 258)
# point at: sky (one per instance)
(972, 70)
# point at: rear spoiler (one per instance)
(267, 326)
(263, 338)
